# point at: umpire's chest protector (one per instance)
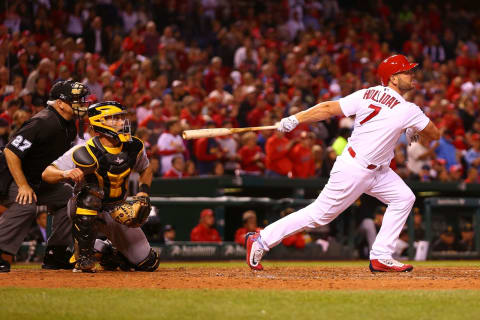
(114, 166)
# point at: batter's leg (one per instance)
(391, 190)
(347, 182)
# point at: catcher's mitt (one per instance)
(133, 213)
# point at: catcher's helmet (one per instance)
(73, 93)
(97, 114)
(393, 65)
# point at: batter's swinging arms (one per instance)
(381, 116)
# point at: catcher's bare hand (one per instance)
(76, 175)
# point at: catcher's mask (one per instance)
(109, 118)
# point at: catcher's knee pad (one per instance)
(89, 199)
(151, 262)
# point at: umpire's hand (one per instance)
(76, 175)
(25, 195)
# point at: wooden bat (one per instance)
(217, 132)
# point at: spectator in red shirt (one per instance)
(191, 113)
(303, 165)
(249, 219)
(12, 107)
(204, 231)
(277, 161)
(251, 155)
(207, 151)
(155, 122)
(177, 169)
(214, 71)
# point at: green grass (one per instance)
(313, 264)
(85, 304)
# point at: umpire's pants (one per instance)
(17, 220)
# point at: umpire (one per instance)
(39, 142)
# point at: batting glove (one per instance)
(412, 135)
(287, 124)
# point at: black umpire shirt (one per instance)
(40, 141)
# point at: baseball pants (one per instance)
(131, 242)
(349, 179)
(17, 220)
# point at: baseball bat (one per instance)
(217, 132)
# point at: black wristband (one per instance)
(144, 188)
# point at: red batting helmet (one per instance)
(392, 65)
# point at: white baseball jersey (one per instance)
(168, 141)
(381, 116)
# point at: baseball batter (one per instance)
(381, 116)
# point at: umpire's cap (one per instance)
(69, 91)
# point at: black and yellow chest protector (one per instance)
(113, 168)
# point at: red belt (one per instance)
(353, 154)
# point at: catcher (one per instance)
(100, 170)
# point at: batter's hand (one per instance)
(287, 124)
(26, 195)
(76, 175)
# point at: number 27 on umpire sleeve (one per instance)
(375, 111)
(21, 143)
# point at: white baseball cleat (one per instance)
(389, 265)
(255, 251)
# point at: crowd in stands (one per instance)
(190, 64)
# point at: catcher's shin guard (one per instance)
(84, 234)
(151, 262)
(89, 201)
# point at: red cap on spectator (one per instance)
(476, 137)
(206, 212)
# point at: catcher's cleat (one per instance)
(255, 252)
(389, 265)
(4, 264)
(85, 264)
(57, 258)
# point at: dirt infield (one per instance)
(288, 278)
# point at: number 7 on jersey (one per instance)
(375, 111)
